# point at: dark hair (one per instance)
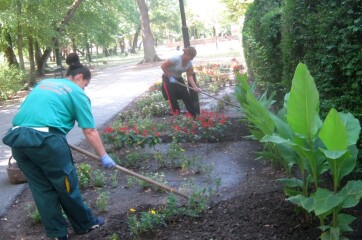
(79, 69)
(75, 67)
(72, 59)
(190, 51)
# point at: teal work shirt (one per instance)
(56, 103)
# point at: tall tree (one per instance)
(147, 37)
(236, 8)
(65, 21)
(20, 34)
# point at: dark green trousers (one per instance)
(53, 181)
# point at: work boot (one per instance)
(99, 222)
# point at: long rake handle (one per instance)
(129, 172)
(229, 103)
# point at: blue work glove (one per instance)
(107, 161)
(172, 80)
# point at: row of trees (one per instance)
(33, 31)
(325, 35)
(30, 31)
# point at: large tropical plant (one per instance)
(317, 148)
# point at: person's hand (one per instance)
(107, 161)
(172, 80)
(196, 89)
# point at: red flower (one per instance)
(136, 130)
(177, 128)
(123, 129)
(108, 130)
(145, 133)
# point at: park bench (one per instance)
(58, 71)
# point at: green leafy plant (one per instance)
(131, 181)
(130, 137)
(115, 157)
(133, 158)
(158, 177)
(11, 81)
(171, 208)
(320, 147)
(197, 202)
(102, 201)
(84, 174)
(114, 237)
(160, 158)
(34, 214)
(145, 221)
(99, 178)
(114, 178)
(153, 104)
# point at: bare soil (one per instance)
(249, 204)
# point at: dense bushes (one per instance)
(11, 81)
(326, 35)
(261, 40)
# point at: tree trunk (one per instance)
(9, 52)
(147, 37)
(74, 46)
(59, 29)
(122, 44)
(58, 57)
(37, 56)
(135, 39)
(43, 61)
(32, 79)
(88, 53)
(20, 37)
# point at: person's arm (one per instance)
(165, 66)
(190, 79)
(92, 136)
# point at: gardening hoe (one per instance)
(229, 103)
(125, 170)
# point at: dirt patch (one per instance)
(248, 203)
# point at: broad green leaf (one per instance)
(277, 140)
(353, 127)
(333, 154)
(331, 234)
(344, 220)
(349, 161)
(342, 166)
(303, 103)
(305, 202)
(291, 191)
(352, 193)
(287, 153)
(333, 132)
(325, 201)
(282, 127)
(291, 182)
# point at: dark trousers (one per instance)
(174, 92)
(52, 178)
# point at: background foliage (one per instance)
(325, 35)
